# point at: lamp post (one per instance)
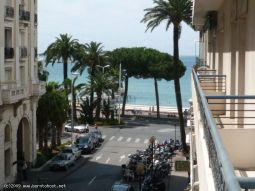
(74, 75)
(103, 67)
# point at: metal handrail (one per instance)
(223, 171)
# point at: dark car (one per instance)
(85, 144)
(121, 187)
(99, 135)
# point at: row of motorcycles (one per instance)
(152, 165)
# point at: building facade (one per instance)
(19, 85)
(223, 96)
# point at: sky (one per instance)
(114, 23)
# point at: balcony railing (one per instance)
(8, 53)
(35, 53)
(23, 52)
(36, 18)
(222, 169)
(24, 15)
(9, 12)
(11, 93)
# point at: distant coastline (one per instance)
(142, 91)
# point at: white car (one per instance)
(62, 161)
(82, 128)
(73, 150)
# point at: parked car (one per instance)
(94, 138)
(73, 150)
(85, 144)
(82, 128)
(62, 161)
(117, 186)
(99, 135)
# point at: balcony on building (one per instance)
(9, 12)
(225, 124)
(38, 88)
(35, 53)
(23, 52)
(12, 93)
(36, 19)
(8, 53)
(24, 15)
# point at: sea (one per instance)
(141, 91)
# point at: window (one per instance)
(8, 37)
(8, 75)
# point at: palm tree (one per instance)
(173, 12)
(62, 50)
(76, 88)
(52, 108)
(92, 56)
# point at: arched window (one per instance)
(7, 134)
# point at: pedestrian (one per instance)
(96, 126)
(24, 170)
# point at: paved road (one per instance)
(102, 168)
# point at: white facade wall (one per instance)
(18, 102)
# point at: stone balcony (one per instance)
(11, 93)
(38, 88)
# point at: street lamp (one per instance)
(74, 75)
(103, 67)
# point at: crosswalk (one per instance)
(137, 140)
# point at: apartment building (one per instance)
(19, 85)
(223, 96)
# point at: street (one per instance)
(99, 170)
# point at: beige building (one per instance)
(223, 96)
(19, 85)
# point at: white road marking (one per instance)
(120, 138)
(129, 139)
(122, 157)
(107, 161)
(137, 140)
(92, 180)
(104, 136)
(112, 138)
(146, 141)
(99, 157)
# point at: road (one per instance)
(102, 168)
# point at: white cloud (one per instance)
(115, 23)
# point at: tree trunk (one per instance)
(98, 109)
(45, 137)
(92, 92)
(59, 133)
(74, 106)
(40, 138)
(178, 89)
(65, 69)
(125, 96)
(112, 110)
(53, 136)
(157, 97)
